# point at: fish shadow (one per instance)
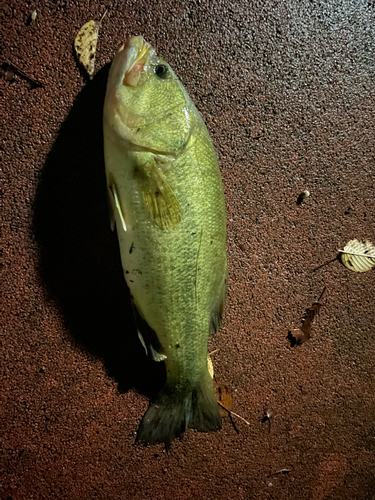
(79, 255)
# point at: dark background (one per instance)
(287, 92)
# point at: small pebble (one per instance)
(303, 196)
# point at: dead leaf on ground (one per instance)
(224, 397)
(225, 400)
(85, 44)
(300, 335)
(358, 256)
(210, 364)
(223, 394)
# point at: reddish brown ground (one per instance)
(287, 92)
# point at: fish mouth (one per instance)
(138, 52)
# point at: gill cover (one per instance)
(145, 104)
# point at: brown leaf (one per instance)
(299, 335)
(223, 396)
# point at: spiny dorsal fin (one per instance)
(159, 198)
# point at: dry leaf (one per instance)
(85, 44)
(223, 396)
(210, 366)
(300, 335)
(358, 256)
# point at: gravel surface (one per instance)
(287, 91)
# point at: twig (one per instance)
(321, 295)
(103, 16)
(281, 471)
(232, 413)
(25, 75)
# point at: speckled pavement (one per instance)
(287, 92)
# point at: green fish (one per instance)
(167, 202)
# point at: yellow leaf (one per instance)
(85, 45)
(358, 256)
(210, 364)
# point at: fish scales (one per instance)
(167, 202)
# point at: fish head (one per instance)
(146, 104)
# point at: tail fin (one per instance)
(178, 408)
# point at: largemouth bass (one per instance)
(167, 202)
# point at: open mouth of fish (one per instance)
(129, 69)
(138, 56)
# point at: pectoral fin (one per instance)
(115, 207)
(159, 198)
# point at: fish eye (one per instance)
(161, 71)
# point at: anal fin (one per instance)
(148, 337)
